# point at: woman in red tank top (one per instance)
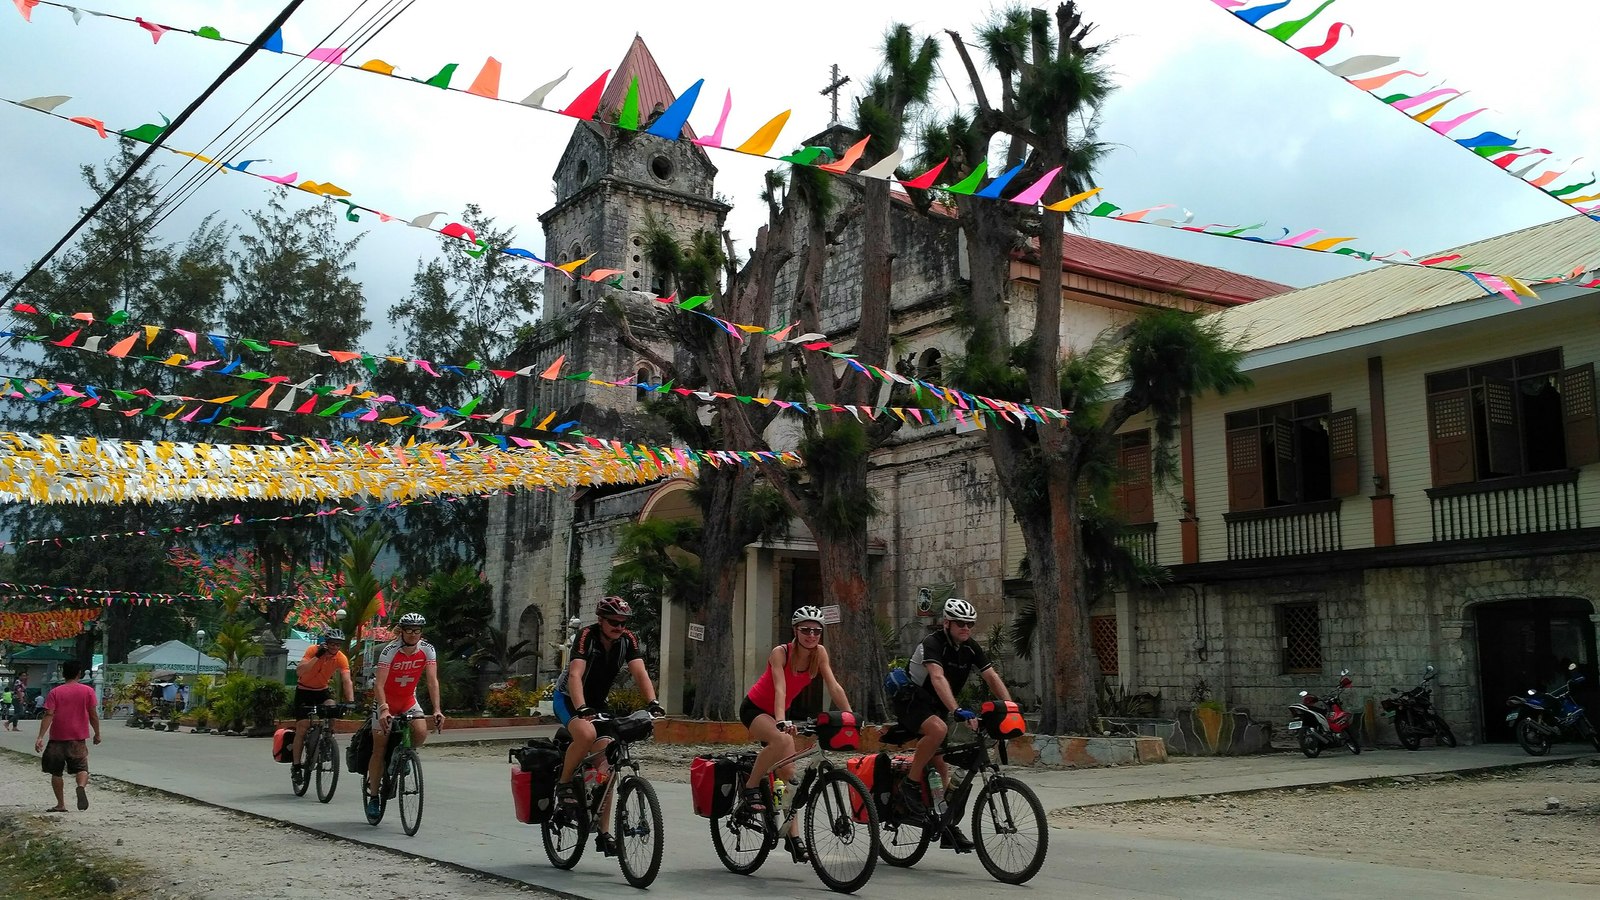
(790, 668)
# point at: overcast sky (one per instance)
(1210, 115)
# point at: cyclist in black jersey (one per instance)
(600, 652)
(939, 669)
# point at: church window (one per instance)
(929, 367)
(583, 171)
(661, 167)
(643, 380)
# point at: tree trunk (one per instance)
(853, 644)
(720, 554)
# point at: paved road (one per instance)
(468, 822)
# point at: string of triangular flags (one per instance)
(64, 540)
(1424, 107)
(106, 596)
(670, 126)
(45, 626)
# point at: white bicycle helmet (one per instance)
(806, 614)
(333, 634)
(959, 610)
(413, 618)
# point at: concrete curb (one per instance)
(306, 829)
(1528, 763)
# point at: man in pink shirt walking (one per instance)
(70, 714)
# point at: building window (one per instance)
(1511, 417)
(1103, 637)
(929, 367)
(661, 167)
(1288, 453)
(1300, 635)
(1133, 499)
(583, 172)
(644, 379)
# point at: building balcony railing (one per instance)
(1520, 504)
(1284, 530)
(1140, 540)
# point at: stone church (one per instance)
(943, 528)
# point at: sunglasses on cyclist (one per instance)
(410, 629)
(809, 630)
(615, 623)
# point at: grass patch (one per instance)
(39, 863)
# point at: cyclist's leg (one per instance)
(419, 732)
(380, 743)
(300, 726)
(779, 744)
(304, 698)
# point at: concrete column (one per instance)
(753, 619)
(1127, 676)
(674, 635)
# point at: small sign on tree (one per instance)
(697, 632)
(830, 615)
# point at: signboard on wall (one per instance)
(697, 632)
(830, 615)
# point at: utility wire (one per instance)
(238, 63)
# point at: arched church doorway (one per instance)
(1526, 644)
(530, 628)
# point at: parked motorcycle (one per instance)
(1543, 718)
(1414, 715)
(1321, 722)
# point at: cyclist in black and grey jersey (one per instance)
(939, 669)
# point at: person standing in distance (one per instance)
(70, 716)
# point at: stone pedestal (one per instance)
(273, 662)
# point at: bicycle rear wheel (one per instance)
(843, 851)
(300, 776)
(638, 831)
(1008, 828)
(565, 833)
(743, 842)
(327, 767)
(408, 793)
(902, 843)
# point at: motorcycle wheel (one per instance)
(1309, 745)
(1442, 732)
(1406, 730)
(1531, 739)
(1351, 741)
(1588, 731)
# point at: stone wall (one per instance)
(1383, 624)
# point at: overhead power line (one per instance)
(238, 63)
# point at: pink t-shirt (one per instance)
(71, 703)
(764, 693)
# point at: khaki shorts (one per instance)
(69, 756)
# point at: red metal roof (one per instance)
(653, 89)
(1088, 256)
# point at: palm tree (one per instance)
(234, 644)
(494, 647)
(360, 589)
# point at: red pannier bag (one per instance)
(283, 745)
(838, 731)
(713, 784)
(1002, 720)
(876, 772)
(522, 794)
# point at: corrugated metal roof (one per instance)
(1395, 291)
(1089, 256)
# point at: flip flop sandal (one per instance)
(83, 799)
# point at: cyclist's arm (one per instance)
(642, 678)
(431, 670)
(835, 689)
(991, 677)
(941, 686)
(575, 670)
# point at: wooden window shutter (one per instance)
(1344, 460)
(1505, 438)
(1450, 444)
(1284, 453)
(1579, 417)
(1137, 500)
(1245, 487)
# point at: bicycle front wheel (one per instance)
(408, 793)
(327, 767)
(1008, 828)
(843, 851)
(638, 831)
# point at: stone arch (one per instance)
(1463, 607)
(930, 367)
(530, 627)
(644, 374)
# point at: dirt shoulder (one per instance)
(140, 843)
(1490, 824)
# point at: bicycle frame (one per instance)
(802, 791)
(980, 766)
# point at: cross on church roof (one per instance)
(832, 93)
